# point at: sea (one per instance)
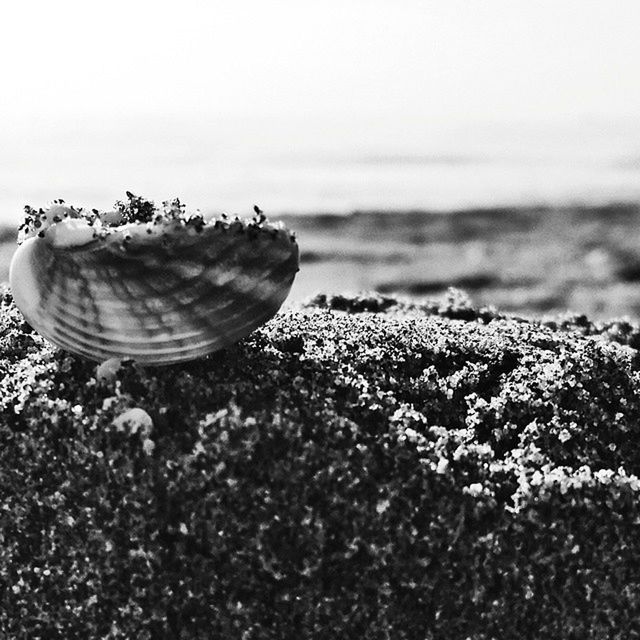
(313, 164)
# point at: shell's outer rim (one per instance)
(24, 287)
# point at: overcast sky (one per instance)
(474, 59)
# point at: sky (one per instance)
(450, 59)
(319, 106)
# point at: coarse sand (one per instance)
(359, 467)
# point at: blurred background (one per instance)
(413, 145)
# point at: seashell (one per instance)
(155, 286)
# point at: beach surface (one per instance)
(357, 467)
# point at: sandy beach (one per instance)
(411, 411)
(403, 462)
(360, 467)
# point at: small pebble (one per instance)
(135, 420)
(107, 370)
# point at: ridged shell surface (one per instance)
(155, 293)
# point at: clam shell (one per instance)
(158, 293)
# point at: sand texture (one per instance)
(357, 468)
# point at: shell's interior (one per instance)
(155, 285)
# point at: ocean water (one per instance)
(310, 165)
